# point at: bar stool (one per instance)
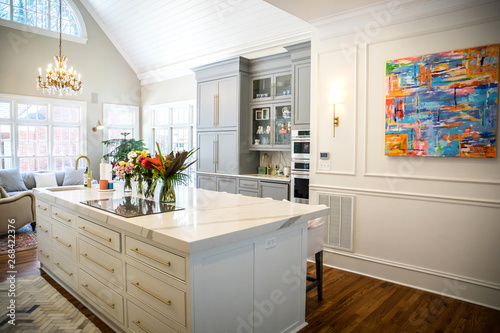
(315, 236)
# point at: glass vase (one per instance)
(139, 186)
(149, 192)
(127, 188)
(167, 192)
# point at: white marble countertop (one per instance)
(209, 219)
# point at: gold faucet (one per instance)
(89, 177)
(268, 166)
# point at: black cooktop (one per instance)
(132, 206)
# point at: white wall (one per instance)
(103, 69)
(174, 90)
(432, 223)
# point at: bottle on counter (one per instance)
(85, 177)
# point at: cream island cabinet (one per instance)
(224, 263)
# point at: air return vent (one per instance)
(338, 231)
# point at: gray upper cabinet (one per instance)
(301, 81)
(273, 86)
(218, 104)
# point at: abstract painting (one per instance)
(443, 104)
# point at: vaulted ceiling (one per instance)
(163, 39)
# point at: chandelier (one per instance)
(60, 80)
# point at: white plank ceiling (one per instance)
(163, 38)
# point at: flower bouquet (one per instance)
(169, 169)
(124, 170)
(142, 170)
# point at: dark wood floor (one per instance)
(351, 303)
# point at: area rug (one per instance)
(24, 240)
(39, 308)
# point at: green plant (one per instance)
(121, 147)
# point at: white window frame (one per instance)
(82, 39)
(170, 125)
(50, 102)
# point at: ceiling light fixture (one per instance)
(59, 79)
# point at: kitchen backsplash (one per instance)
(280, 158)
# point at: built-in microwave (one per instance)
(301, 144)
(300, 165)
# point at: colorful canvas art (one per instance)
(443, 104)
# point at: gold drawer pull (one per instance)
(41, 228)
(138, 323)
(42, 208)
(112, 270)
(86, 286)
(247, 184)
(63, 243)
(67, 220)
(93, 233)
(43, 254)
(136, 250)
(149, 293)
(62, 269)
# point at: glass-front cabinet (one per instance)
(271, 126)
(271, 87)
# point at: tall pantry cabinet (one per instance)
(222, 121)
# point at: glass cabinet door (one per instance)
(282, 124)
(261, 126)
(262, 88)
(283, 86)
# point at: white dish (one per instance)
(108, 190)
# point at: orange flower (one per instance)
(155, 162)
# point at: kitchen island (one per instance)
(223, 263)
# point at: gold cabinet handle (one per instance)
(112, 270)
(43, 254)
(149, 293)
(213, 152)
(62, 269)
(67, 220)
(138, 323)
(136, 250)
(86, 286)
(41, 228)
(247, 184)
(95, 234)
(63, 243)
(216, 150)
(42, 208)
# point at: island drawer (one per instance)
(43, 229)
(249, 193)
(163, 260)
(140, 321)
(64, 240)
(156, 293)
(102, 296)
(66, 218)
(101, 235)
(65, 268)
(44, 252)
(100, 262)
(248, 183)
(42, 208)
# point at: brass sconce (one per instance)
(97, 127)
(336, 96)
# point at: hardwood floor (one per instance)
(351, 303)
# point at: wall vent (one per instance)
(339, 227)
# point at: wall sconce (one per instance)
(97, 127)
(336, 97)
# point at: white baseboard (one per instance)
(464, 289)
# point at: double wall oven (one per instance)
(299, 176)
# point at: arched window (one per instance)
(43, 14)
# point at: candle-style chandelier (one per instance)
(60, 80)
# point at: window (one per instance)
(173, 128)
(40, 133)
(120, 119)
(43, 15)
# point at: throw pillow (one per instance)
(11, 180)
(3, 194)
(73, 177)
(46, 179)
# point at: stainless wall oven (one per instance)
(299, 176)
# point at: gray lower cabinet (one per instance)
(248, 187)
(226, 184)
(276, 191)
(206, 182)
